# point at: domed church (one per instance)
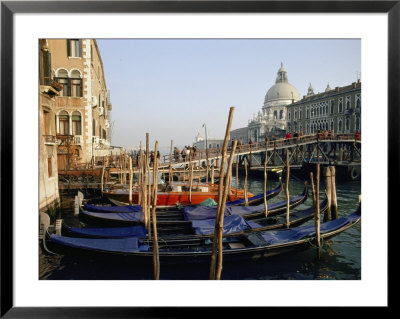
(272, 119)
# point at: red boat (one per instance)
(175, 194)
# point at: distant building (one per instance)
(240, 134)
(48, 90)
(272, 118)
(82, 108)
(337, 110)
(200, 142)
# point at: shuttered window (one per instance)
(74, 48)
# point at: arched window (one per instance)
(332, 107)
(62, 78)
(340, 105)
(76, 83)
(358, 101)
(281, 114)
(347, 124)
(340, 126)
(63, 123)
(307, 129)
(332, 126)
(76, 123)
(275, 115)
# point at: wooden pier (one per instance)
(341, 150)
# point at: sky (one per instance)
(170, 87)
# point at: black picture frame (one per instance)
(9, 8)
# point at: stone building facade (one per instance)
(82, 108)
(337, 110)
(48, 91)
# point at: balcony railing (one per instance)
(50, 139)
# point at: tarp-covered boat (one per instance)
(189, 249)
(252, 200)
(192, 213)
(232, 225)
(175, 194)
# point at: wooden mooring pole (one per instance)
(222, 210)
(156, 258)
(170, 163)
(237, 176)
(328, 191)
(221, 202)
(130, 180)
(287, 189)
(334, 205)
(246, 201)
(315, 192)
(265, 186)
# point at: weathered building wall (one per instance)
(48, 173)
(81, 109)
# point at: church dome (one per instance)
(282, 89)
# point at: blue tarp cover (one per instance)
(111, 232)
(113, 209)
(133, 216)
(232, 224)
(209, 212)
(289, 235)
(129, 244)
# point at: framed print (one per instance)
(195, 46)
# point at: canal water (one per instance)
(340, 258)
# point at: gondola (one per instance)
(190, 250)
(191, 213)
(254, 200)
(232, 225)
(174, 194)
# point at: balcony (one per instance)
(50, 140)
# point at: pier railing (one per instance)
(268, 144)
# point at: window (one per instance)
(358, 101)
(76, 123)
(347, 102)
(74, 48)
(358, 128)
(340, 105)
(347, 124)
(275, 115)
(307, 112)
(281, 114)
(63, 123)
(94, 128)
(332, 107)
(104, 134)
(62, 79)
(300, 113)
(45, 67)
(47, 125)
(71, 86)
(340, 126)
(49, 168)
(76, 83)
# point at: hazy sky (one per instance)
(170, 87)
